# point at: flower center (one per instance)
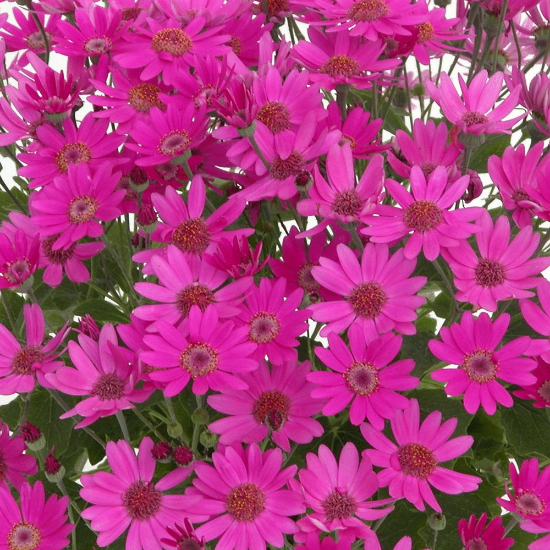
(17, 272)
(348, 139)
(173, 41)
(362, 378)
(367, 300)
(368, 10)
(489, 273)
(143, 97)
(192, 236)
(520, 195)
(272, 409)
(480, 366)
(199, 359)
(339, 506)
(129, 14)
(416, 460)
(275, 7)
(194, 295)
(109, 386)
(82, 209)
(284, 168)
(528, 503)
(341, 65)
(427, 169)
(174, 143)
(275, 116)
(245, 502)
(35, 40)
(98, 45)
(24, 536)
(347, 203)
(305, 278)
(425, 32)
(476, 544)
(544, 391)
(142, 500)
(235, 44)
(56, 256)
(264, 327)
(422, 216)
(25, 358)
(473, 117)
(72, 153)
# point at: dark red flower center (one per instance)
(57, 256)
(476, 544)
(275, 7)
(427, 168)
(129, 14)
(72, 153)
(425, 32)
(142, 500)
(520, 195)
(18, 271)
(174, 143)
(368, 10)
(544, 391)
(422, 216)
(347, 203)
(192, 236)
(416, 460)
(473, 117)
(305, 278)
(489, 273)
(362, 378)
(25, 358)
(199, 359)
(144, 96)
(245, 502)
(367, 300)
(194, 295)
(481, 366)
(341, 65)
(35, 40)
(109, 386)
(264, 327)
(173, 41)
(275, 116)
(284, 168)
(235, 44)
(272, 408)
(529, 503)
(98, 45)
(24, 536)
(82, 209)
(339, 505)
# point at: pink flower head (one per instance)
(37, 522)
(471, 344)
(183, 536)
(411, 466)
(21, 365)
(540, 390)
(475, 533)
(425, 213)
(244, 490)
(277, 404)
(19, 257)
(202, 350)
(475, 113)
(15, 464)
(128, 497)
(103, 372)
(363, 377)
(378, 293)
(503, 269)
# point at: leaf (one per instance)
(481, 154)
(102, 311)
(11, 413)
(404, 520)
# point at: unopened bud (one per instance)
(437, 521)
(162, 451)
(138, 179)
(183, 456)
(53, 469)
(208, 439)
(475, 187)
(33, 437)
(200, 417)
(147, 217)
(89, 327)
(174, 429)
(303, 180)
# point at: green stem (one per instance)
(511, 525)
(342, 91)
(501, 15)
(257, 150)
(123, 426)
(8, 312)
(148, 424)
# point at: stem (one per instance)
(256, 148)
(466, 159)
(435, 539)
(8, 312)
(148, 423)
(501, 15)
(356, 239)
(377, 525)
(511, 525)
(123, 426)
(43, 34)
(342, 91)
(63, 489)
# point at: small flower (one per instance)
(184, 538)
(474, 533)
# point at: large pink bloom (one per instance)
(244, 489)
(411, 466)
(129, 498)
(14, 463)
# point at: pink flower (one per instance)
(37, 522)
(540, 390)
(363, 377)
(378, 293)
(411, 466)
(19, 257)
(472, 346)
(277, 404)
(244, 490)
(475, 533)
(129, 498)
(15, 464)
(184, 537)
(503, 269)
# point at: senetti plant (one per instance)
(274, 275)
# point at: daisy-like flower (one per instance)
(128, 497)
(74, 205)
(37, 522)
(424, 212)
(503, 269)
(202, 350)
(337, 492)
(183, 537)
(363, 375)
(276, 404)
(14, 463)
(412, 466)
(471, 344)
(475, 533)
(19, 257)
(475, 113)
(379, 293)
(245, 490)
(539, 392)
(21, 365)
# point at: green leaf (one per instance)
(404, 520)
(102, 311)
(11, 413)
(481, 154)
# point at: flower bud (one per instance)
(183, 456)
(208, 439)
(200, 417)
(33, 437)
(162, 451)
(174, 429)
(89, 327)
(53, 469)
(437, 521)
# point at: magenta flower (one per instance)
(276, 404)
(15, 464)
(21, 365)
(474, 533)
(378, 293)
(363, 377)
(411, 466)
(472, 346)
(19, 257)
(37, 522)
(202, 350)
(184, 537)
(244, 490)
(475, 113)
(539, 392)
(503, 269)
(425, 213)
(129, 498)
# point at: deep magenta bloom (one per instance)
(378, 293)
(539, 392)
(36, 523)
(538, 318)
(128, 497)
(472, 345)
(245, 490)
(15, 464)
(277, 404)
(475, 533)
(363, 377)
(19, 256)
(411, 466)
